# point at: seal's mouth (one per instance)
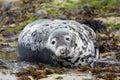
(63, 53)
(63, 56)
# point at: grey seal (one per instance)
(58, 42)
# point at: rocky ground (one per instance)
(15, 14)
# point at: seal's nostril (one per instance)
(63, 53)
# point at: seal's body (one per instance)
(58, 42)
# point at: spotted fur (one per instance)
(58, 42)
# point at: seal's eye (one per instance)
(53, 42)
(67, 38)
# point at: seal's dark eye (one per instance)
(53, 42)
(67, 39)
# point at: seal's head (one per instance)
(62, 43)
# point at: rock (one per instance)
(63, 17)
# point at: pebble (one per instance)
(12, 25)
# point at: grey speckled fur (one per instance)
(34, 43)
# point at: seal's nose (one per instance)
(62, 51)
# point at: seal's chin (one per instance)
(64, 57)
